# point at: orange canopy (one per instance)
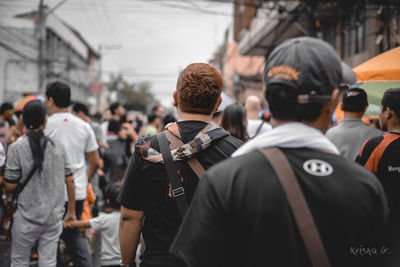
(384, 67)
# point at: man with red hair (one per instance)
(153, 202)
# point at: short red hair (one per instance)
(198, 88)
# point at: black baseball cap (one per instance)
(354, 100)
(306, 64)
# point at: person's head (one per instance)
(154, 120)
(158, 109)
(234, 120)
(123, 132)
(169, 118)
(34, 114)
(389, 117)
(302, 78)
(117, 109)
(7, 110)
(252, 106)
(355, 101)
(97, 117)
(114, 126)
(198, 90)
(112, 193)
(81, 110)
(58, 95)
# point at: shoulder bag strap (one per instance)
(178, 193)
(193, 162)
(22, 185)
(301, 211)
(258, 129)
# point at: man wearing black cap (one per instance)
(351, 132)
(243, 213)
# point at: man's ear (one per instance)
(219, 101)
(389, 114)
(175, 95)
(335, 97)
(366, 107)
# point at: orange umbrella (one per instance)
(19, 105)
(383, 67)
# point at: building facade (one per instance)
(66, 56)
(358, 31)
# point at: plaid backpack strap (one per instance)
(173, 135)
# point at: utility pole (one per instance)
(40, 32)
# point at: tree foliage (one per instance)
(132, 96)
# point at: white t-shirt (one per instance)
(78, 138)
(253, 125)
(2, 155)
(108, 224)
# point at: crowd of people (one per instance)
(209, 187)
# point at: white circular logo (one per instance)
(317, 167)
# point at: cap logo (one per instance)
(284, 72)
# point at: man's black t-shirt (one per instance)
(240, 215)
(145, 188)
(381, 155)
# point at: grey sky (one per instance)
(156, 40)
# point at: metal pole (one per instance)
(40, 29)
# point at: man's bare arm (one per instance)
(94, 163)
(129, 233)
(71, 215)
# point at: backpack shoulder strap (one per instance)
(300, 209)
(178, 193)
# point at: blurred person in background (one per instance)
(41, 202)
(255, 125)
(351, 132)
(169, 118)
(234, 121)
(80, 144)
(82, 112)
(158, 110)
(6, 122)
(118, 114)
(152, 126)
(106, 224)
(117, 155)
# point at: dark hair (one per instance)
(5, 106)
(97, 116)
(80, 107)
(198, 88)
(114, 106)
(152, 117)
(112, 193)
(60, 92)
(154, 109)
(114, 126)
(232, 121)
(282, 101)
(34, 114)
(354, 100)
(391, 100)
(169, 118)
